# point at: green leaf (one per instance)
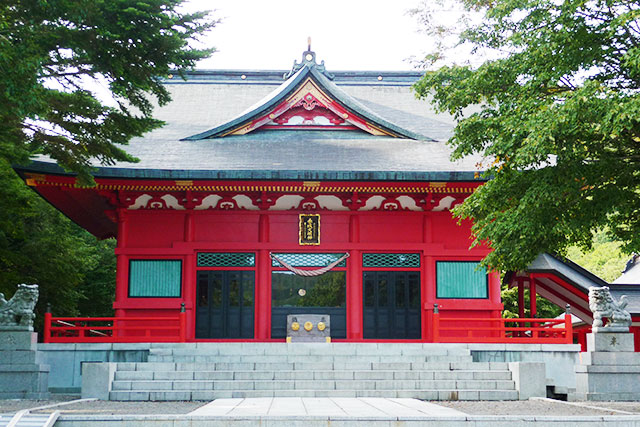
(559, 110)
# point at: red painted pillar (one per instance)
(263, 284)
(122, 267)
(427, 235)
(189, 275)
(354, 283)
(189, 230)
(568, 324)
(183, 323)
(532, 296)
(354, 296)
(428, 297)
(427, 275)
(47, 326)
(436, 324)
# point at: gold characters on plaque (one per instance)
(309, 229)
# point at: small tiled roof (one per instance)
(631, 273)
(583, 279)
(570, 271)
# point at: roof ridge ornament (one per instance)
(308, 60)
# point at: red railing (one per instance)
(499, 330)
(173, 329)
(115, 329)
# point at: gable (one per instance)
(307, 108)
(308, 100)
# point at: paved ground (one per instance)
(621, 406)
(101, 406)
(529, 407)
(538, 407)
(332, 407)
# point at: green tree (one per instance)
(605, 259)
(544, 309)
(52, 52)
(75, 272)
(556, 112)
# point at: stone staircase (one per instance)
(207, 371)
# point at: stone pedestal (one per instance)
(308, 328)
(609, 369)
(21, 374)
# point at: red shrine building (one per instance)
(270, 193)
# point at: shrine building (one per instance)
(269, 193)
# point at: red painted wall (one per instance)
(169, 234)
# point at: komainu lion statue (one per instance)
(602, 304)
(18, 311)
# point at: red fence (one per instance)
(173, 329)
(499, 330)
(115, 329)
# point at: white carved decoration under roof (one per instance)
(445, 203)
(141, 201)
(373, 202)
(245, 202)
(172, 202)
(331, 203)
(209, 202)
(284, 202)
(408, 203)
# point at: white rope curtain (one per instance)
(309, 273)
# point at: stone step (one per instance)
(313, 375)
(280, 349)
(307, 366)
(306, 358)
(207, 395)
(292, 385)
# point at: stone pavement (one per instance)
(337, 412)
(369, 408)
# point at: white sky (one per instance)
(347, 34)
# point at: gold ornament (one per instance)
(308, 326)
(295, 326)
(321, 326)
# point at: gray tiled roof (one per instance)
(207, 101)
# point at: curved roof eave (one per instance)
(255, 174)
(264, 105)
(357, 107)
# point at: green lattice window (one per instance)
(309, 260)
(226, 259)
(155, 278)
(461, 279)
(391, 260)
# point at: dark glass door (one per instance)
(225, 302)
(293, 294)
(391, 305)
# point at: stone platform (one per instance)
(609, 369)
(22, 375)
(237, 361)
(207, 371)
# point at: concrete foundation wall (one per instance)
(559, 359)
(66, 360)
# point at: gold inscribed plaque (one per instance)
(309, 229)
